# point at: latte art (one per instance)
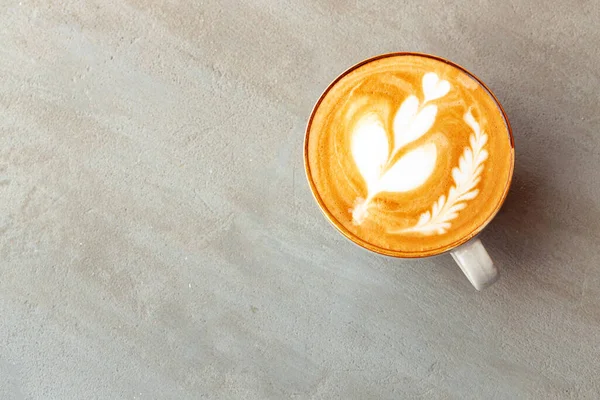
(408, 155)
(466, 177)
(371, 151)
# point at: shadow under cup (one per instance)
(366, 120)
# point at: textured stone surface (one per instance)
(158, 239)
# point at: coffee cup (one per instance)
(410, 155)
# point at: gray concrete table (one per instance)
(158, 239)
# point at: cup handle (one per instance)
(476, 264)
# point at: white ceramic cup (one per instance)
(469, 253)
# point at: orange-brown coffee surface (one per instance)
(408, 155)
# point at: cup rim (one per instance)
(396, 253)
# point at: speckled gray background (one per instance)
(158, 239)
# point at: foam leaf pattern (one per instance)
(434, 87)
(409, 126)
(403, 118)
(410, 171)
(466, 177)
(370, 148)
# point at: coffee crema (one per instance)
(408, 154)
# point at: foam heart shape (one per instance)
(433, 87)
